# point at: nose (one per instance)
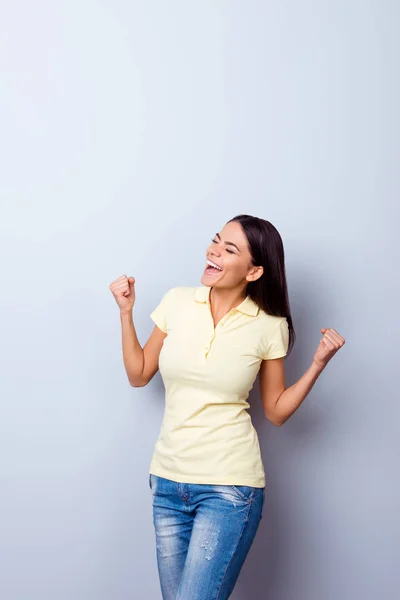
(214, 250)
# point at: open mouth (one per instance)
(212, 268)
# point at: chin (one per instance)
(209, 281)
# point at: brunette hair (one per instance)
(269, 291)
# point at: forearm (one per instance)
(131, 349)
(294, 395)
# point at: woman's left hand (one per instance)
(328, 346)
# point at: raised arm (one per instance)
(279, 402)
(141, 364)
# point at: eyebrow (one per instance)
(228, 243)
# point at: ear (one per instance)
(255, 273)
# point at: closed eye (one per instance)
(230, 251)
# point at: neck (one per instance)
(223, 300)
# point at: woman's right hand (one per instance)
(123, 290)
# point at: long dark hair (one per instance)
(269, 291)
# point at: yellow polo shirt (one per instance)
(207, 435)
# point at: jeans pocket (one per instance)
(244, 492)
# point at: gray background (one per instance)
(131, 132)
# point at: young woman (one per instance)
(206, 475)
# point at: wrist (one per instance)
(317, 366)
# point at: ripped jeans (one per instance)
(203, 534)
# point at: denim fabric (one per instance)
(203, 534)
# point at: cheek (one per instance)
(236, 268)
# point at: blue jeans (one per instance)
(203, 534)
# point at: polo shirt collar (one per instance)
(248, 306)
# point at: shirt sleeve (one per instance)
(277, 345)
(161, 313)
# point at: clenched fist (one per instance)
(331, 342)
(123, 290)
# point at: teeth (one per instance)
(209, 262)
